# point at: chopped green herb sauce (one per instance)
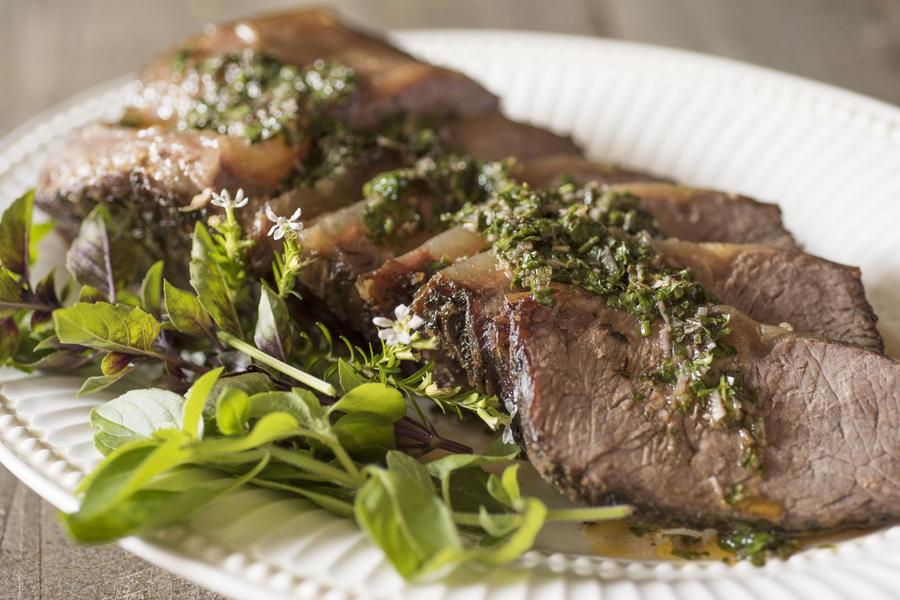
(755, 545)
(253, 95)
(736, 494)
(601, 241)
(584, 236)
(394, 209)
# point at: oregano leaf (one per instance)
(209, 281)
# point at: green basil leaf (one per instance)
(273, 333)
(347, 376)
(530, 522)
(373, 398)
(186, 313)
(360, 432)
(97, 383)
(114, 367)
(135, 415)
(443, 466)
(495, 489)
(15, 227)
(510, 481)
(466, 491)
(211, 285)
(101, 256)
(397, 509)
(232, 411)
(195, 400)
(103, 326)
(59, 360)
(496, 525)
(38, 232)
(271, 428)
(249, 383)
(505, 489)
(51, 342)
(169, 498)
(129, 468)
(300, 404)
(151, 289)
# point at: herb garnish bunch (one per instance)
(245, 391)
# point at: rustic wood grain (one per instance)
(52, 49)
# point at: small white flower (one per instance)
(399, 331)
(223, 199)
(283, 225)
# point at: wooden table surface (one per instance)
(51, 49)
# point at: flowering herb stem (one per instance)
(255, 353)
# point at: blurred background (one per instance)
(52, 49)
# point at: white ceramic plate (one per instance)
(829, 157)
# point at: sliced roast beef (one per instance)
(554, 169)
(154, 170)
(492, 136)
(782, 286)
(375, 285)
(340, 250)
(398, 279)
(698, 215)
(686, 213)
(849, 316)
(162, 179)
(154, 173)
(163, 174)
(390, 81)
(574, 377)
(772, 285)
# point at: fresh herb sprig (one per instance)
(267, 402)
(25, 308)
(221, 435)
(288, 263)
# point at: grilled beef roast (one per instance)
(347, 263)
(782, 286)
(686, 213)
(156, 171)
(571, 374)
(698, 215)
